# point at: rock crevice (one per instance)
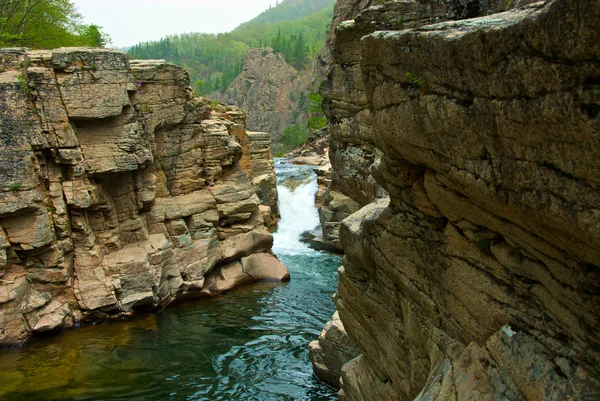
(477, 277)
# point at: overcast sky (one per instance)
(132, 21)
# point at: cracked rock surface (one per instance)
(478, 277)
(121, 190)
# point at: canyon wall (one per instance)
(352, 147)
(272, 93)
(121, 191)
(479, 276)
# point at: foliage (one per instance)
(299, 37)
(294, 28)
(293, 48)
(316, 123)
(93, 36)
(46, 24)
(15, 187)
(213, 61)
(293, 137)
(317, 119)
(296, 135)
(23, 84)
(289, 10)
(416, 81)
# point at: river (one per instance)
(249, 344)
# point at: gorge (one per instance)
(246, 344)
(464, 140)
(122, 191)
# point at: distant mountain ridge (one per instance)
(294, 28)
(288, 10)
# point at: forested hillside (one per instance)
(288, 10)
(46, 24)
(294, 28)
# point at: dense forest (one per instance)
(46, 24)
(288, 10)
(294, 28)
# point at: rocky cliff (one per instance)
(478, 278)
(272, 93)
(352, 149)
(258, 162)
(120, 191)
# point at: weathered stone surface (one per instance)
(29, 232)
(264, 89)
(121, 191)
(253, 268)
(336, 207)
(257, 161)
(353, 149)
(478, 278)
(263, 170)
(92, 85)
(331, 351)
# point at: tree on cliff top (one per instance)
(46, 24)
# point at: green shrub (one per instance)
(416, 81)
(295, 135)
(23, 84)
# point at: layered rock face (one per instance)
(479, 277)
(258, 162)
(352, 150)
(120, 190)
(272, 93)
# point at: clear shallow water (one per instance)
(250, 344)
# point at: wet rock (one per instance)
(331, 351)
(315, 240)
(250, 269)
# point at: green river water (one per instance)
(250, 344)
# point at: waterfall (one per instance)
(297, 186)
(248, 344)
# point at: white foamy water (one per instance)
(298, 212)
